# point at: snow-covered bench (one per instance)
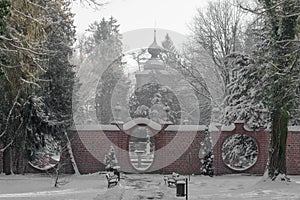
(112, 179)
(172, 179)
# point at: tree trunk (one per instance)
(277, 160)
(20, 168)
(70, 151)
(20, 156)
(7, 161)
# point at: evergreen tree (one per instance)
(206, 155)
(110, 159)
(168, 44)
(269, 81)
(60, 74)
(105, 50)
(149, 102)
(102, 31)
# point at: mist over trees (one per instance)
(179, 61)
(247, 68)
(100, 56)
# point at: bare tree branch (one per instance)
(10, 113)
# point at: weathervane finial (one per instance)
(155, 30)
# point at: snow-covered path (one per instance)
(137, 187)
(221, 187)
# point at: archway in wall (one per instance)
(161, 68)
(141, 148)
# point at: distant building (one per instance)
(156, 71)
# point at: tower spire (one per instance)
(154, 49)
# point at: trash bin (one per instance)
(180, 185)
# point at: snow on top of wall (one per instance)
(137, 121)
(186, 128)
(230, 127)
(248, 128)
(95, 127)
(212, 127)
(294, 128)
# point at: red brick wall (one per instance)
(88, 162)
(262, 140)
(89, 150)
(293, 153)
(85, 161)
(181, 165)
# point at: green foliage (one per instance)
(102, 31)
(60, 74)
(269, 81)
(149, 101)
(105, 90)
(168, 44)
(37, 88)
(110, 159)
(105, 49)
(4, 11)
(206, 155)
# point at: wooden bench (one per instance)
(112, 179)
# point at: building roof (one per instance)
(154, 49)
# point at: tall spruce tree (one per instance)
(59, 78)
(60, 75)
(105, 49)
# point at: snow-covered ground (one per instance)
(134, 187)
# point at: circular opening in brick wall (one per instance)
(239, 152)
(46, 155)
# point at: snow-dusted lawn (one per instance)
(134, 187)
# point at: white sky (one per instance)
(135, 14)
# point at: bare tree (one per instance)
(217, 29)
(95, 4)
